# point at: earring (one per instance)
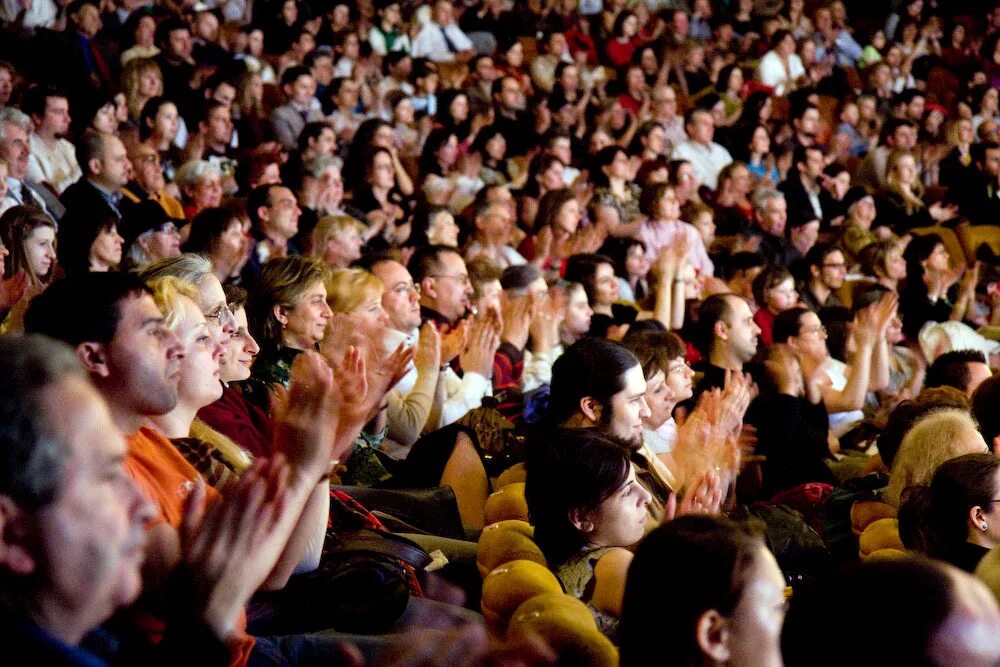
(983, 525)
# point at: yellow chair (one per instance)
(507, 503)
(565, 624)
(974, 236)
(510, 585)
(506, 541)
(948, 238)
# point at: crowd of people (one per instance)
(293, 291)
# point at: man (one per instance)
(173, 36)
(727, 337)
(345, 119)
(805, 124)
(494, 225)
(543, 67)
(827, 268)
(215, 129)
(964, 370)
(274, 218)
(106, 171)
(706, 156)
(979, 197)
(664, 110)
(53, 159)
(445, 289)
(896, 133)
(834, 40)
(148, 181)
(802, 189)
(770, 214)
(15, 128)
(512, 119)
(300, 107)
(441, 39)
(320, 64)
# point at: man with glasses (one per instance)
(148, 181)
(827, 268)
(149, 235)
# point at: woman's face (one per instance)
(166, 123)
(106, 119)
(648, 61)
(199, 382)
(145, 31)
(965, 134)
(403, 112)
(895, 264)
(372, 315)
(231, 245)
(938, 260)
(568, 219)
(686, 181)
(150, 84)
(515, 55)
(289, 12)
(382, 174)
(240, 350)
(620, 520)
(735, 82)
(906, 170)
(552, 178)
(305, 324)
(807, 51)
(909, 34)
(760, 143)
(333, 186)
(599, 140)
(107, 248)
(990, 101)
(669, 206)
(448, 153)
(496, 147)
(578, 313)
(40, 250)
(605, 285)
(207, 191)
(619, 166)
(781, 298)
(630, 26)
(443, 230)
(636, 264)
(680, 379)
(660, 399)
(255, 43)
(755, 624)
(459, 108)
(705, 225)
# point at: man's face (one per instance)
(701, 129)
(813, 166)
(448, 290)
(915, 109)
(142, 360)
(219, 128)
(443, 12)
(15, 151)
(147, 169)
(740, 330)
(56, 118)
(347, 95)
(401, 298)
(90, 541)
(179, 43)
(283, 212)
(511, 96)
(322, 70)
(225, 93)
(774, 216)
(114, 166)
(904, 137)
(834, 270)
(301, 92)
(809, 122)
(325, 143)
(978, 373)
(991, 162)
(628, 408)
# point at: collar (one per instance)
(114, 197)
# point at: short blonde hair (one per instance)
(347, 289)
(167, 293)
(940, 436)
(331, 227)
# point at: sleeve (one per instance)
(537, 370)
(409, 414)
(458, 36)
(461, 395)
(282, 129)
(508, 367)
(377, 41)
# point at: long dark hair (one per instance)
(573, 470)
(589, 367)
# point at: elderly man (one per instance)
(441, 39)
(15, 129)
(706, 156)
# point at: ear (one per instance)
(581, 520)
(263, 213)
(719, 330)
(14, 554)
(94, 165)
(712, 635)
(281, 314)
(814, 271)
(94, 357)
(976, 517)
(428, 286)
(995, 445)
(591, 409)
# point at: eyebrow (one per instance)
(151, 320)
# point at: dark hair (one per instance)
(147, 117)
(208, 225)
(684, 568)
(650, 197)
(438, 137)
(917, 251)
(312, 130)
(282, 282)
(604, 157)
(426, 260)
(36, 98)
(768, 279)
(985, 400)
(32, 456)
(538, 165)
(589, 367)
(934, 518)
(421, 223)
(951, 369)
(292, 74)
(259, 196)
(654, 350)
(77, 232)
(85, 308)
(167, 26)
(359, 154)
(713, 309)
(788, 324)
(914, 596)
(90, 146)
(582, 269)
(619, 24)
(549, 207)
(818, 253)
(236, 296)
(569, 470)
(519, 277)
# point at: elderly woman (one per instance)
(200, 182)
(337, 240)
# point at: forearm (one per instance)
(409, 414)
(852, 396)
(306, 530)
(880, 365)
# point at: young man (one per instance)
(105, 172)
(53, 158)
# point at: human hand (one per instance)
(453, 342)
(548, 316)
(484, 340)
(427, 357)
(702, 497)
(941, 213)
(304, 430)
(517, 316)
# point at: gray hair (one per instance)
(189, 172)
(317, 165)
(32, 455)
(764, 195)
(14, 117)
(190, 267)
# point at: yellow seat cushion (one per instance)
(507, 503)
(565, 624)
(510, 585)
(505, 541)
(880, 534)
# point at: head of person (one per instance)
(884, 259)
(770, 211)
(925, 255)
(964, 370)
(494, 223)
(337, 240)
(597, 275)
(599, 383)
(827, 265)
(220, 233)
(200, 182)
(400, 294)
(147, 168)
(743, 267)
(298, 85)
(159, 120)
(668, 375)
(726, 328)
(15, 128)
(774, 289)
(956, 507)
(30, 238)
(88, 243)
(119, 334)
(443, 279)
(700, 126)
(559, 210)
(434, 225)
(198, 380)
(802, 330)
(240, 348)
(582, 493)
(74, 533)
(948, 617)
(288, 308)
(440, 153)
(274, 211)
(935, 438)
(211, 298)
(984, 401)
(660, 202)
(149, 233)
(103, 159)
(48, 108)
(726, 597)
(577, 312)
(358, 293)
(486, 288)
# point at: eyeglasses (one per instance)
(166, 228)
(224, 315)
(818, 329)
(405, 289)
(461, 278)
(683, 367)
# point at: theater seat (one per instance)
(565, 624)
(506, 541)
(510, 585)
(507, 503)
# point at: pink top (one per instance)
(657, 235)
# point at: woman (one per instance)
(288, 313)
(496, 169)
(200, 182)
(781, 68)
(545, 174)
(587, 509)
(956, 167)
(900, 203)
(453, 114)
(88, 243)
(159, 124)
(373, 134)
(955, 517)
(729, 86)
(774, 293)
(668, 382)
(926, 296)
(795, 19)
(724, 592)
(733, 208)
(616, 197)
(378, 195)
(30, 238)
(221, 234)
(632, 268)
(337, 240)
(884, 261)
(555, 230)
(597, 275)
(755, 151)
(663, 227)
(434, 225)
(625, 40)
(142, 81)
(249, 121)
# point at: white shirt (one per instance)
(771, 72)
(840, 422)
(538, 367)
(41, 15)
(56, 166)
(430, 42)
(706, 161)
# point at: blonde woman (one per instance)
(337, 240)
(900, 203)
(142, 80)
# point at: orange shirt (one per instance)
(166, 478)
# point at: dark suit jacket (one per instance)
(83, 197)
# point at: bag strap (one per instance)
(367, 541)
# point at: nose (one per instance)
(219, 350)
(250, 346)
(644, 410)
(327, 312)
(175, 350)
(645, 497)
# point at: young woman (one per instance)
(929, 278)
(663, 227)
(597, 275)
(159, 124)
(30, 238)
(884, 261)
(88, 243)
(221, 234)
(587, 509)
(616, 197)
(900, 203)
